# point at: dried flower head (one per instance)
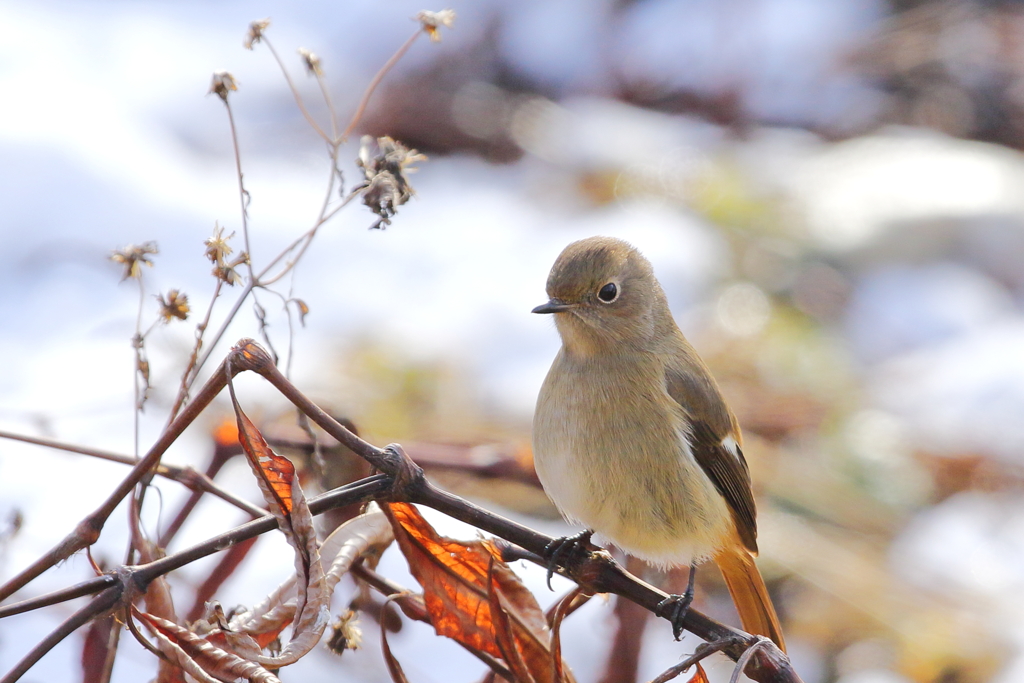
(255, 33)
(345, 634)
(433, 21)
(226, 273)
(311, 61)
(385, 163)
(174, 305)
(133, 257)
(217, 247)
(223, 83)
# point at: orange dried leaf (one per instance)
(307, 611)
(277, 472)
(473, 597)
(699, 676)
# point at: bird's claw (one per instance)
(566, 546)
(674, 608)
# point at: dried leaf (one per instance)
(276, 473)
(471, 595)
(303, 309)
(280, 487)
(699, 676)
(394, 667)
(200, 658)
(342, 548)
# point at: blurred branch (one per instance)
(186, 476)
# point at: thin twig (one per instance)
(703, 651)
(188, 377)
(186, 476)
(330, 107)
(376, 81)
(745, 659)
(561, 610)
(295, 92)
(242, 194)
(78, 590)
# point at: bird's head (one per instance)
(604, 296)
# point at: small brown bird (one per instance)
(631, 435)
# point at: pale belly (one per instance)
(627, 474)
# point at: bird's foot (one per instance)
(569, 547)
(675, 607)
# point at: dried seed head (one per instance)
(255, 33)
(133, 257)
(217, 247)
(385, 164)
(433, 21)
(311, 61)
(174, 305)
(226, 273)
(223, 83)
(345, 634)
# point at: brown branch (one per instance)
(98, 606)
(89, 587)
(597, 572)
(357, 492)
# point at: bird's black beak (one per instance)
(552, 306)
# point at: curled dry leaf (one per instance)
(280, 487)
(200, 658)
(475, 598)
(350, 541)
(394, 667)
(699, 676)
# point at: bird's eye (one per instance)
(608, 293)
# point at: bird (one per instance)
(632, 437)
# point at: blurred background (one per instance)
(831, 193)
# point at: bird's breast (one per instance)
(611, 449)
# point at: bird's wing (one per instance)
(710, 424)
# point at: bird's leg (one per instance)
(566, 546)
(675, 607)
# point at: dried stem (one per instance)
(242, 194)
(361, 109)
(191, 369)
(295, 92)
(186, 476)
(703, 651)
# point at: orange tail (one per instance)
(750, 594)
